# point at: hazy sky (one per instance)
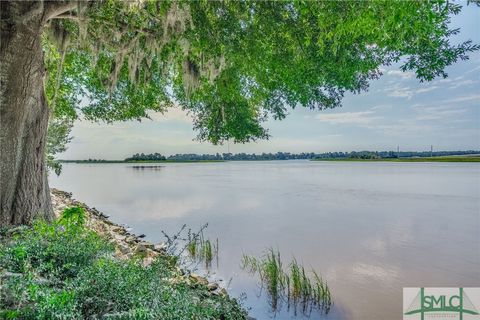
(397, 110)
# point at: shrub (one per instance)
(57, 250)
(119, 289)
(63, 270)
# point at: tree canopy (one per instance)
(233, 64)
(230, 64)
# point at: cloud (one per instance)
(404, 127)
(472, 97)
(401, 74)
(427, 89)
(474, 69)
(382, 107)
(360, 118)
(398, 91)
(463, 83)
(172, 114)
(451, 102)
(421, 119)
(437, 113)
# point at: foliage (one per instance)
(201, 249)
(65, 271)
(234, 64)
(472, 158)
(303, 155)
(192, 248)
(62, 101)
(58, 136)
(119, 290)
(58, 250)
(293, 285)
(146, 157)
(364, 155)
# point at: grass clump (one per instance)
(274, 276)
(293, 285)
(201, 249)
(63, 270)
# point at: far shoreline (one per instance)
(461, 158)
(469, 158)
(139, 161)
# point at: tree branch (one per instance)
(67, 16)
(56, 8)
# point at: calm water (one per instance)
(370, 229)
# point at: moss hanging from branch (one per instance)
(232, 63)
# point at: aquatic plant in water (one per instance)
(201, 249)
(293, 285)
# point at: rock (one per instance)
(144, 248)
(212, 286)
(130, 239)
(223, 292)
(118, 229)
(150, 254)
(123, 248)
(180, 271)
(162, 246)
(198, 279)
(139, 249)
(141, 236)
(119, 237)
(175, 280)
(146, 244)
(147, 261)
(103, 216)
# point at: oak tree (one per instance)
(231, 64)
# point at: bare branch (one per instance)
(67, 16)
(56, 8)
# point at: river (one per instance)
(369, 228)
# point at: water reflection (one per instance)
(369, 228)
(192, 248)
(292, 286)
(146, 167)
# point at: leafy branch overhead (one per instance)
(233, 64)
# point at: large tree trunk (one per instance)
(24, 191)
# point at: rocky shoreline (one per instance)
(127, 244)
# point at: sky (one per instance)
(397, 110)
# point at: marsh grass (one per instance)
(274, 276)
(192, 247)
(299, 288)
(201, 249)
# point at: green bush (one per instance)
(119, 290)
(63, 270)
(58, 250)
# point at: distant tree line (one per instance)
(146, 157)
(294, 156)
